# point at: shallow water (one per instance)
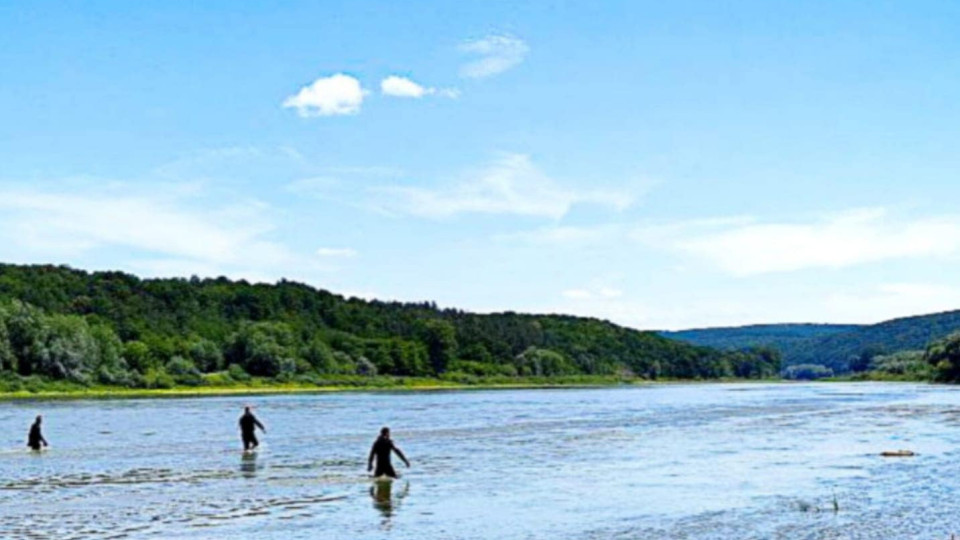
(672, 461)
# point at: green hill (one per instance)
(115, 328)
(842, 348)
(778, 336)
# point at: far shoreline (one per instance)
(108, 393)
(273, 389)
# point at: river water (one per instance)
(667, 461)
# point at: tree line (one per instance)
(117, 329)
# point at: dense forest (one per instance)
(852, 351)
(778, 336)
(57, 323)
(813, 351)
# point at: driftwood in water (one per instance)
(898, 453)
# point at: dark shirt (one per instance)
(382, 448)
(35, 439)
(249, 422)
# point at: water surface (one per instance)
(671, 461)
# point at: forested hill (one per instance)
(842, 348)
(778, 336)
(838, 351)
(112, 327)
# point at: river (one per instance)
(697, 461)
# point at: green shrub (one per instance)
(219, 378)
(158, 378)
(237, 373)
(460, 377)
(184, 371)
(10, 383)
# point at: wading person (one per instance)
(35, 437)
(381, 449)
(248, 427)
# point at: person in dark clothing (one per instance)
(35, 438)
(381, 449)
(248, 426)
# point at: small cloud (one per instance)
(160, 232)
(494, 55)
(403, 87)
(511, 185)
(345, 253)
(452, 93)
(337, 94)
(746, 246)
(577, 294)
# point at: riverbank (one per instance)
(59, 390)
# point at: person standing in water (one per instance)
(248, 427)
(35, 438)
(381, 449)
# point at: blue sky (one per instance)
(658, 164)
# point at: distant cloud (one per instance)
(493, 55)
(403, 87)
(337, 252)
(511, 185)
(337, 94)
(750, 247)
(161, 233)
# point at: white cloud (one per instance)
(337, 94)
(403, 87)
(749, 247)
(158, 233)
(511, 185)
(452, 93)
(494, 54)
(337, 252)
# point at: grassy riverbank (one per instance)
(43, 389)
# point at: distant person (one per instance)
(248, 425)
(35, 438)
(381, 449)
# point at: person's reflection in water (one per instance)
(248, 465)
(384, 500)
